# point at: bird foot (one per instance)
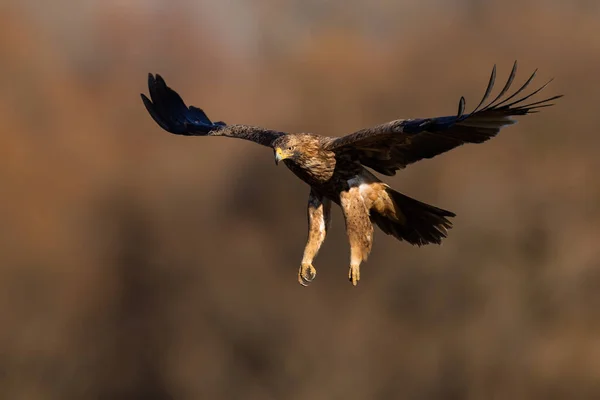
(354, 274)
(306, 274)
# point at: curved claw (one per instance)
(354, 274)
(306, 274)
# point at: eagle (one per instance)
(337, 168)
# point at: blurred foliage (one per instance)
(137, 264)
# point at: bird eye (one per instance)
(290, 148)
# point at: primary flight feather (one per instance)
(334, 168)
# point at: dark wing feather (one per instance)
(169, 111)
(394, 145)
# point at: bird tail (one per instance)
(413, 221)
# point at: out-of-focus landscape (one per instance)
(135, 264)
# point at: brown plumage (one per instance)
(335, 170)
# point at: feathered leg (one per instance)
(319, 218)
(359, 229)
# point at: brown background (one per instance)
(137, 264)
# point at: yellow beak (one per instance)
(280, 155)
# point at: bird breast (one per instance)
(312, 171)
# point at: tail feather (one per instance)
(421, 223)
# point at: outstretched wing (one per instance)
(170, 112)
(394, 145)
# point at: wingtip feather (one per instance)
(151, 80)
(511, 78)
(488, 90)
(461, 107)
(145, 99)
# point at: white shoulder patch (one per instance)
(356, 181)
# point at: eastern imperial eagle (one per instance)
(334, 167)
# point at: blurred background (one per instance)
(135, 264)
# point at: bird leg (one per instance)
(319, 219)
(358, 228)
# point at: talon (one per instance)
(306, 274)
(354, 274)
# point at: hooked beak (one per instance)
(280, 155)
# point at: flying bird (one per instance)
(335, 168)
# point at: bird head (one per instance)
(285, 148)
